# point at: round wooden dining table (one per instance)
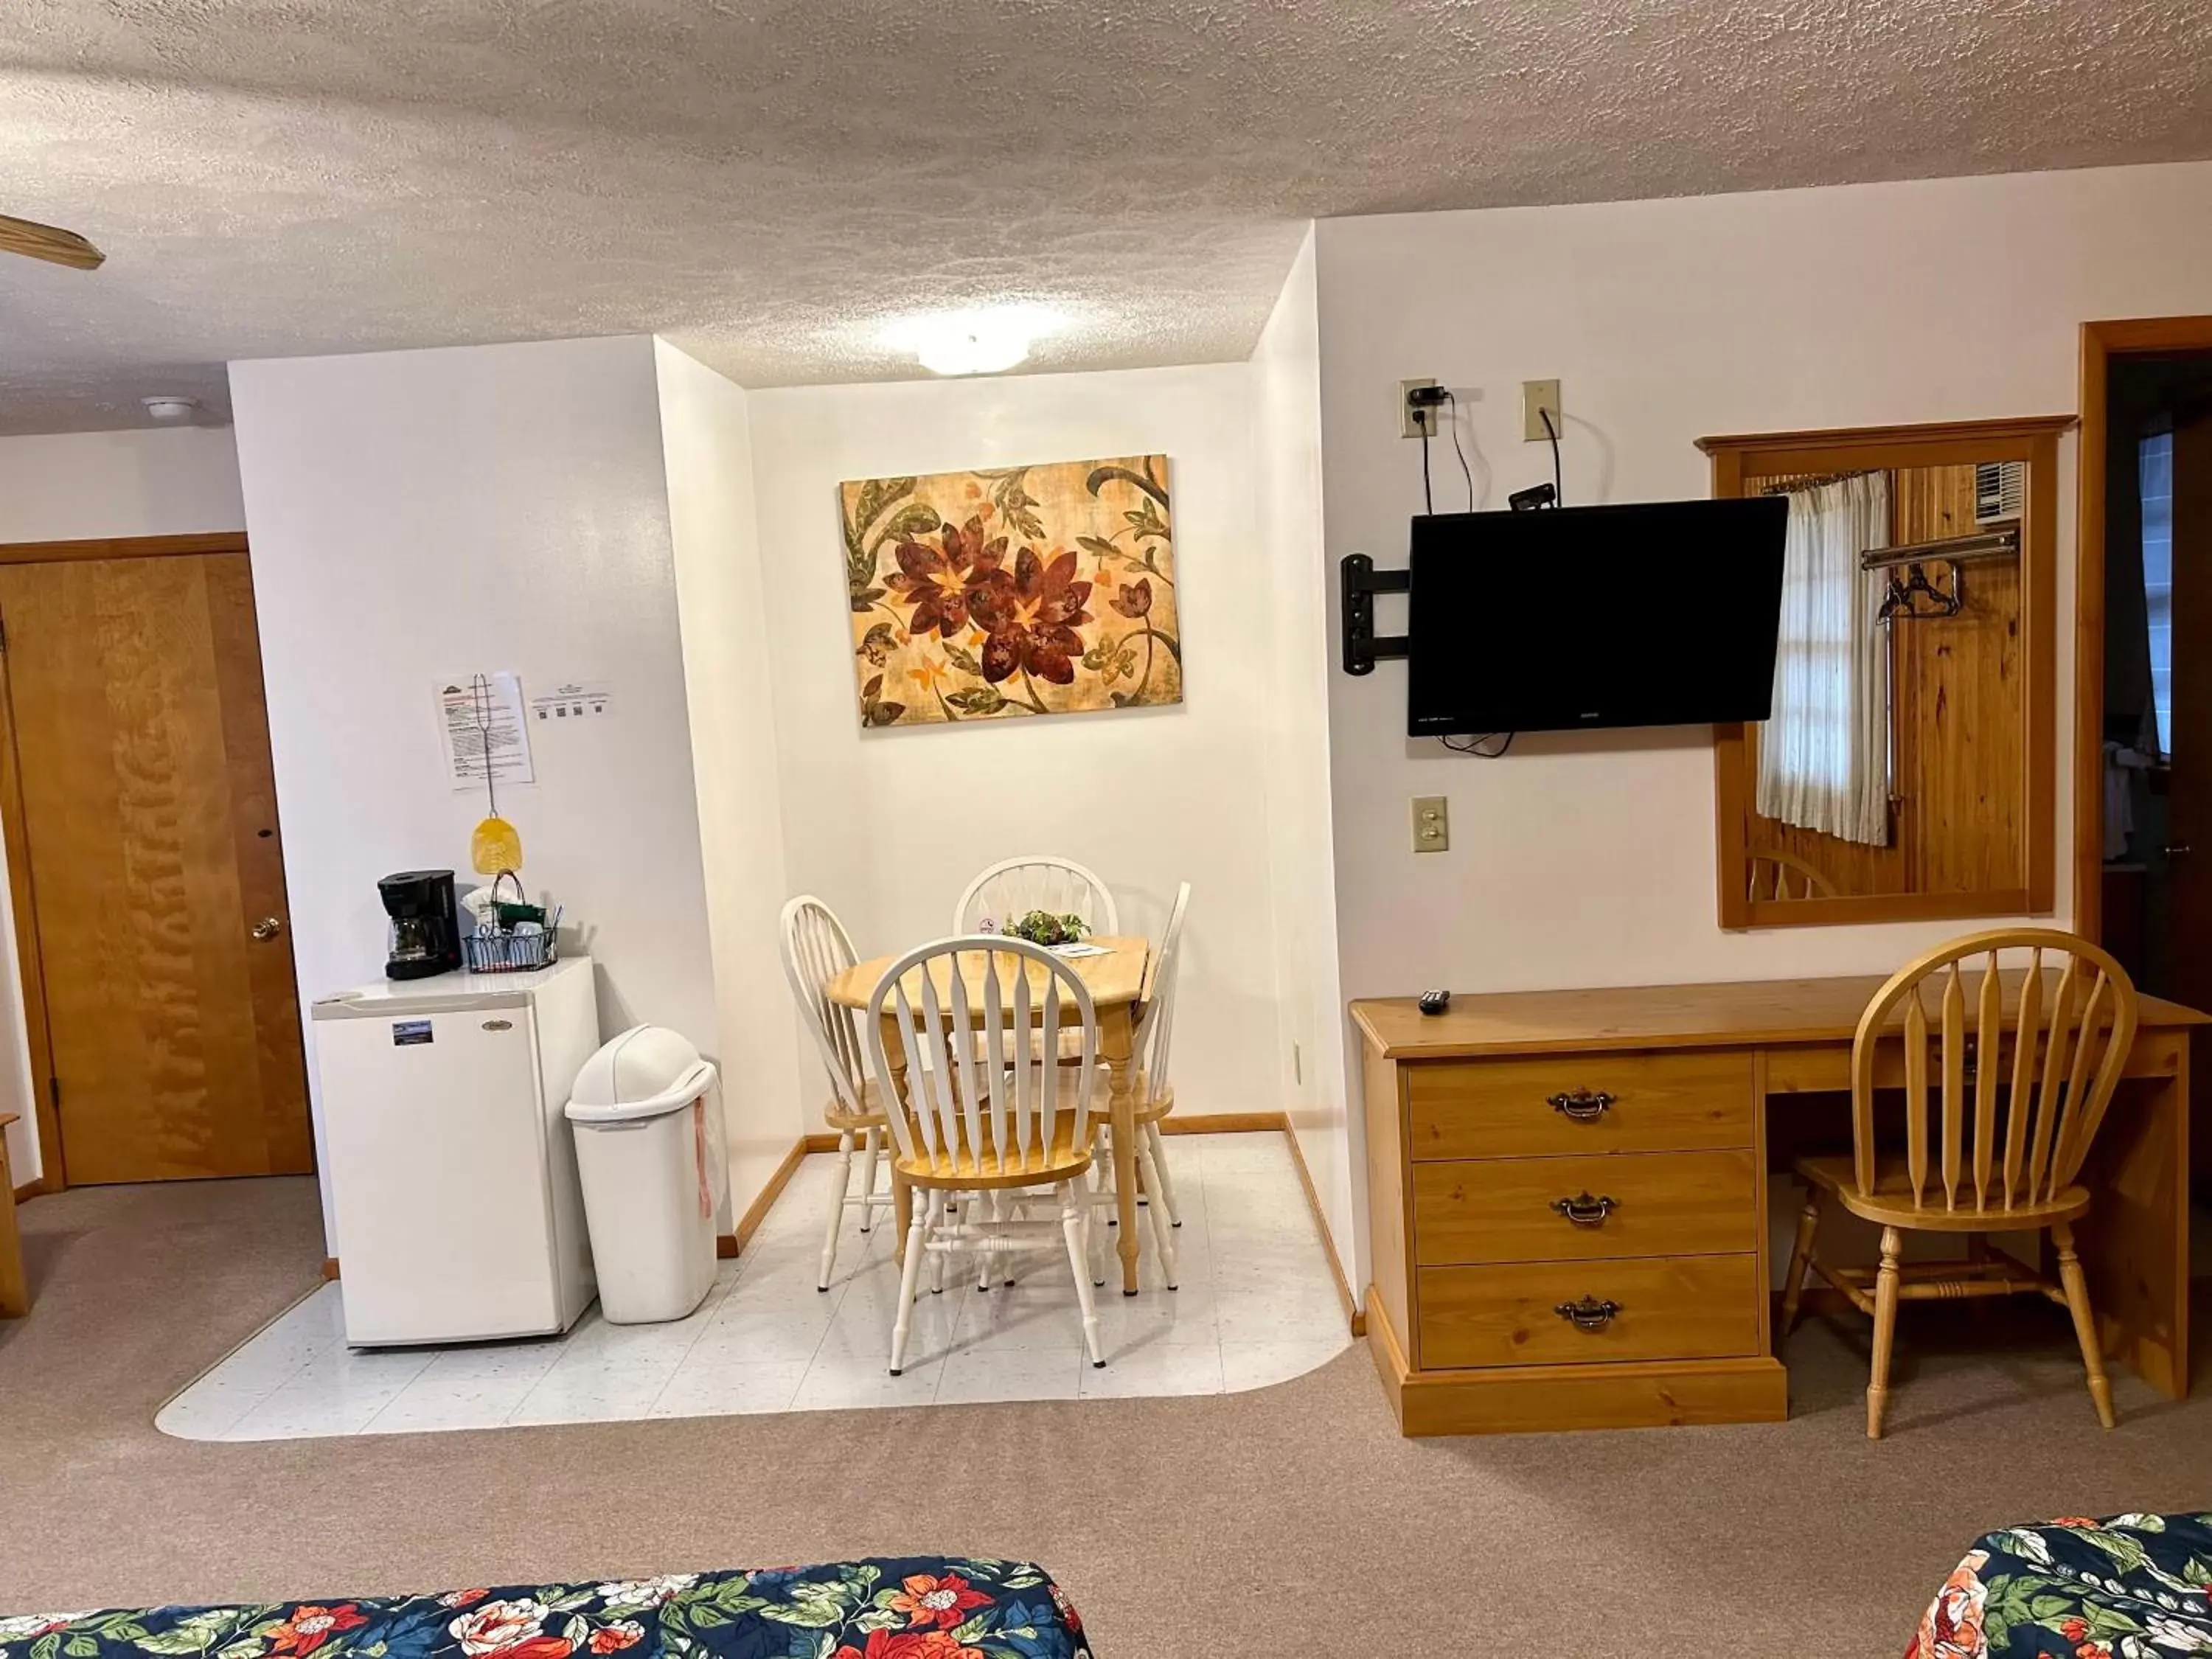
(1117, 981)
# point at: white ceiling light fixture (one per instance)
(983, 340)
(171, 411)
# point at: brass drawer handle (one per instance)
(1589, 1314)
(1582, 1105)
(1582, 1210)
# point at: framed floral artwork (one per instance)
(1009, 593)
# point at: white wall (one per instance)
(419, 514)
(888, 826)
(80, 486)
(1286, 394)
(1587, 859)
(707, 449)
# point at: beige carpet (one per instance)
(1291, 1520)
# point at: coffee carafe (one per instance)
(426, 936)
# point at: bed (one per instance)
(914, 1607)
(2132, 1586)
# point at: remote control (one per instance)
(1435, 1002)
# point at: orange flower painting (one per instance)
(1010, 592)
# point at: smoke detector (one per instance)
(170, 411)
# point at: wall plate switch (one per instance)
(1415, 422)
(1537, 396)
(1431, 823)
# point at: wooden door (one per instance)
(142, 839)
(2188, 920)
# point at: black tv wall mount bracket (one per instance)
(1362, 582)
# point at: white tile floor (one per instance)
(1257, 1306)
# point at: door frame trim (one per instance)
(2101, 342)
(29, 967)
(123, 547)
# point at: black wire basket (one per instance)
(497, 946)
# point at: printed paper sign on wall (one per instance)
(1013, 592)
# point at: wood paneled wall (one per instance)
(1961, 706)
(1958, 801)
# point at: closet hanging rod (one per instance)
(1950, 549)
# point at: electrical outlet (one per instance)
(1536, 396)
(1412, 422)
(1431, 823)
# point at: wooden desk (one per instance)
(14, 1286)
(1481, 1121)
(1116, 981)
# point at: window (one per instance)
(2154, 481)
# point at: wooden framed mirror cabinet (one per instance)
(1906, 772)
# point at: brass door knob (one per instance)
(2176, 849)
(267, 928)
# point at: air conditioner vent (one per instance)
(2000, 490)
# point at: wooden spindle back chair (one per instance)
(2007, 1076)
(997, 1117)
(816, 949)
(1152, 1041)
(1776, 874)
(1012, 888)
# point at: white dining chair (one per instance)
(1012, 888)
(1016, 1128)
(816, 949)
(1152, 1041)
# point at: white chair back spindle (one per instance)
(1155, 1030)
(816, 949)
(1007, 1116)
(1010, 890)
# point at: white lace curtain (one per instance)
(1824, 753)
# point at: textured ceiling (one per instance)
(768, 181)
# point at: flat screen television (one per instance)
(1568, 619)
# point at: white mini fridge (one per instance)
(452, 1175)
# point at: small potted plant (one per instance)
(1042, 928)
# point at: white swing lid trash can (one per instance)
(645, 1112)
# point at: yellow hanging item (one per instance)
(495, 845)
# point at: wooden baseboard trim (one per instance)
(1222, 1123)
(330, 1267)
(756, 1211)
(819, 1143)
(1354, 1314)
(37, 1187)
(1541, 1399)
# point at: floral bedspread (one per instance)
(918, 1609)
(2133, 1587)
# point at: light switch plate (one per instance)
(1415, 422)
(1536, 395)
(1431, 823)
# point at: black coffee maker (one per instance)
(426, 935)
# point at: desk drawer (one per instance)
(1655, 1103)
(1500, 1209)
(1691, 1307)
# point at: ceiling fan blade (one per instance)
(61, 247)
